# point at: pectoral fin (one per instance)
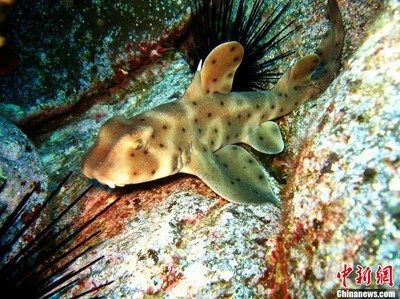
(266, 138)
(234, 174)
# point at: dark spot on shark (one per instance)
(161, 145)
(164, 127)
(209, 114)
(183, 130)
(214, 61)
(221, 103)
(215, 79)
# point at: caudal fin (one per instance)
(312, 74)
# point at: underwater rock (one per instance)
(65, 52)
(20, 164)
(189, 245)
(175, 240)
(342, 201)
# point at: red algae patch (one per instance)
(339, 202)
(137, 197)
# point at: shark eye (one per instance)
(137, 144)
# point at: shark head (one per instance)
(126, 153)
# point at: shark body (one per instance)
(198, 133)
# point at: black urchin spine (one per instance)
(40, 267)
(217, 21)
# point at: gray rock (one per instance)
(65, 48)
(343, 199)
(341, 202)
(189, 246)
(20, 165)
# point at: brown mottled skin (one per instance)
(197, 133)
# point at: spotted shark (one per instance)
(201, 133)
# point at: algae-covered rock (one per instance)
(20, 164)
(176, 238)
(58, 50)
(189, 246)
(343, 198)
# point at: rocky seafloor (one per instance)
(338, 177)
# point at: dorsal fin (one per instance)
(220, 66)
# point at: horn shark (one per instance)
(198, 134)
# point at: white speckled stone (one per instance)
(20, 164)
(349, 170)
(190, 246)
